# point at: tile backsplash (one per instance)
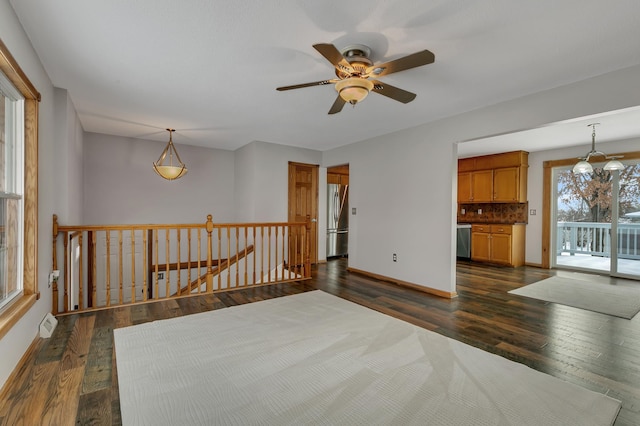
(493, 213)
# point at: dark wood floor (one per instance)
(71, 378)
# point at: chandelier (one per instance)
(165, 167)
(584, 166)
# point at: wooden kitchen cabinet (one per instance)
(481, 243)
(498, 178)
(476, 187)
(510, 185)
(503, 244)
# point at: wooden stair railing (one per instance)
(112, 265)
(220, 267)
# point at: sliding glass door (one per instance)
(627, 259)
(597, 217)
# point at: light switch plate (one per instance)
(353, 211)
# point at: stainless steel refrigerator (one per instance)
(337, 220)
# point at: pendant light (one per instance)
(584, 166)
(169, 170)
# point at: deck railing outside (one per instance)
(112, 265)
(594, 239)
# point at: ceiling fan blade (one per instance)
(300, 86)
(393, 92)
(417, 59)
(337, 105)
(333, 55)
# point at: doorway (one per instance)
(303, 202)
(597, 220)
(338, 211)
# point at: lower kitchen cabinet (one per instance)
(503, 244)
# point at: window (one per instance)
(11, 191)
(18, 192)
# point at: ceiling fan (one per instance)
(357, 74)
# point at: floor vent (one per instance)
(47, 326)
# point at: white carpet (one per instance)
(314, 358)
(590, 292)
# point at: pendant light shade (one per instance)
(614, 165)
(169, 166)
(583, 166)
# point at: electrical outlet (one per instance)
(353, 211)
(479, 211)
(53, 277)
(463, 211)
(532, 212)
(395, 257)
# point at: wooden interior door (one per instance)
(303, 201)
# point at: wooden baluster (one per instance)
(275, 251)
(237, 257)
(133, 266)
(189, 260)
(262, 254)
(199, 261)
(283, 244)
(269, 255)
(246, 259)
(108, 263)
(295, 243)
(228, 256)
(307, 249)
(120, 270)
(219, 232)
(156, 285)
(166, 273)
(80, 274)
(94, 269)
(65, 302)
(55, 307)
(178, 269)
(254, 253)
(145, 266)
(209, 254)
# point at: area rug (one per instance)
(590, 292)
(314, 358)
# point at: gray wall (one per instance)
(68, 158)
(17, 340)
(120, 185)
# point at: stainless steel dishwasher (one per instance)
(463, 241)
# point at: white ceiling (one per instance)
(209, 68)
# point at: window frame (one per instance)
(20, 305)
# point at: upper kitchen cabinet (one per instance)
(476, 187)
(498, 178)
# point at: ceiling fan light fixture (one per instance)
(354, 89)
(170, 171)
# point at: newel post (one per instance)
(54, 310)
(209, 254)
